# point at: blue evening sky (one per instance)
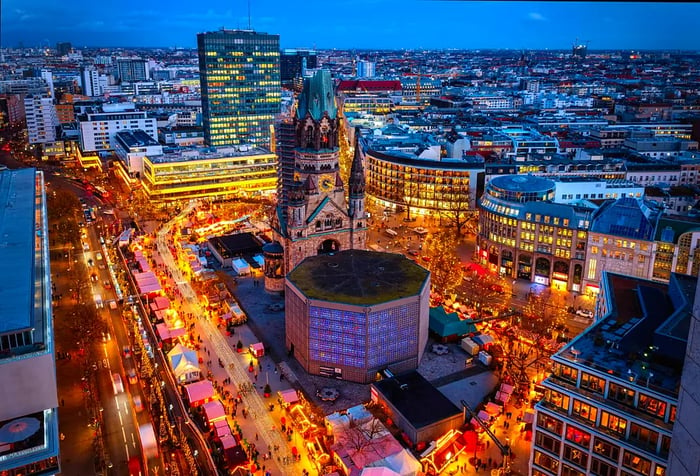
(364, 24)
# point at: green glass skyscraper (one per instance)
(239, 72)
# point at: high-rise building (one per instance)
(318, 219)
(90, 81)
(98, 129)
(41, 119)
(365, 69)
(131, 69)
(239, 73)
(295, 62)
(29, 442)
(63, 48)
(611, 405)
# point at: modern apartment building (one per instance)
(132, 69)
(613, 397)
(240, 82)
(29, 442)
(98, 129)
(41, 119)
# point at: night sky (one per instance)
(363, 24)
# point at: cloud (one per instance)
(536, 16)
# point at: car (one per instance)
(117, 384)
(107, 284)
(138, 404)
(584, 313)
(131, 376)
(99, 256)
(413, 252)
(91, 262)
(127, 351)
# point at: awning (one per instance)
(505, 388)
(199, 391)
(214, 410)
(529, 416)
(289, 396)
(493, 409)
(502, 396)
(485, 417)
(228, 441)
(483, 339)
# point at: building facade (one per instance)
(98, 129)
(523, 234)
(132, 69)
(317, 218)
(611, 402)
(621, 239)
(240, 84)
(423, 186)
(295, 62)
(41, 119)
(27, 364)
(354, 313)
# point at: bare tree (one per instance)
(457, 213)
(360, 436)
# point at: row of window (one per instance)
(579, 448)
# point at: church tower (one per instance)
(317, 218)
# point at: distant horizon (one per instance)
(367, 25)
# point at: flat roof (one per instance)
(421, 403)
(358, 277)
(191, 153)
(18, 232)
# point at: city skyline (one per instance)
(361, 24)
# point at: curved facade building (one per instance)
(523, 234)
(425, 186)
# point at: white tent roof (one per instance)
(404, 463)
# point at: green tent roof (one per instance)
(445, 325)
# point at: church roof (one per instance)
(357, 171)
(317, 97)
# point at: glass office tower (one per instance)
(240, 76)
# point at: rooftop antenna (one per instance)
(249, 15)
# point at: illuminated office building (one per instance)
(611, 405)
(29, 442)
(240, 79)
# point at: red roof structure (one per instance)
(370, 86)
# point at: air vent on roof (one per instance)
(332, 265)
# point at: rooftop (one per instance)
(19, 231)
(186, 154)
(136, 138)
(642, 338)
(358, 277)
(522, 183)
(416, 399)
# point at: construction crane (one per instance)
(418, 76)
(505, 449)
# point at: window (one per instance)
(636, 462)
(557, 399)
(575, 455)
(643, 437)
(585, 411)
(605, 448)
(613, 423)
(601, 468)
(660, 470)
(547, 442)
(651, 405)
(578, 436)
(546, 461)
(567, 373)
(592, 383)
(567, 470)
(549, 423)
(621, 394)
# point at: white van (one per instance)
(391, 233)
(117, 384)
(98, 301)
